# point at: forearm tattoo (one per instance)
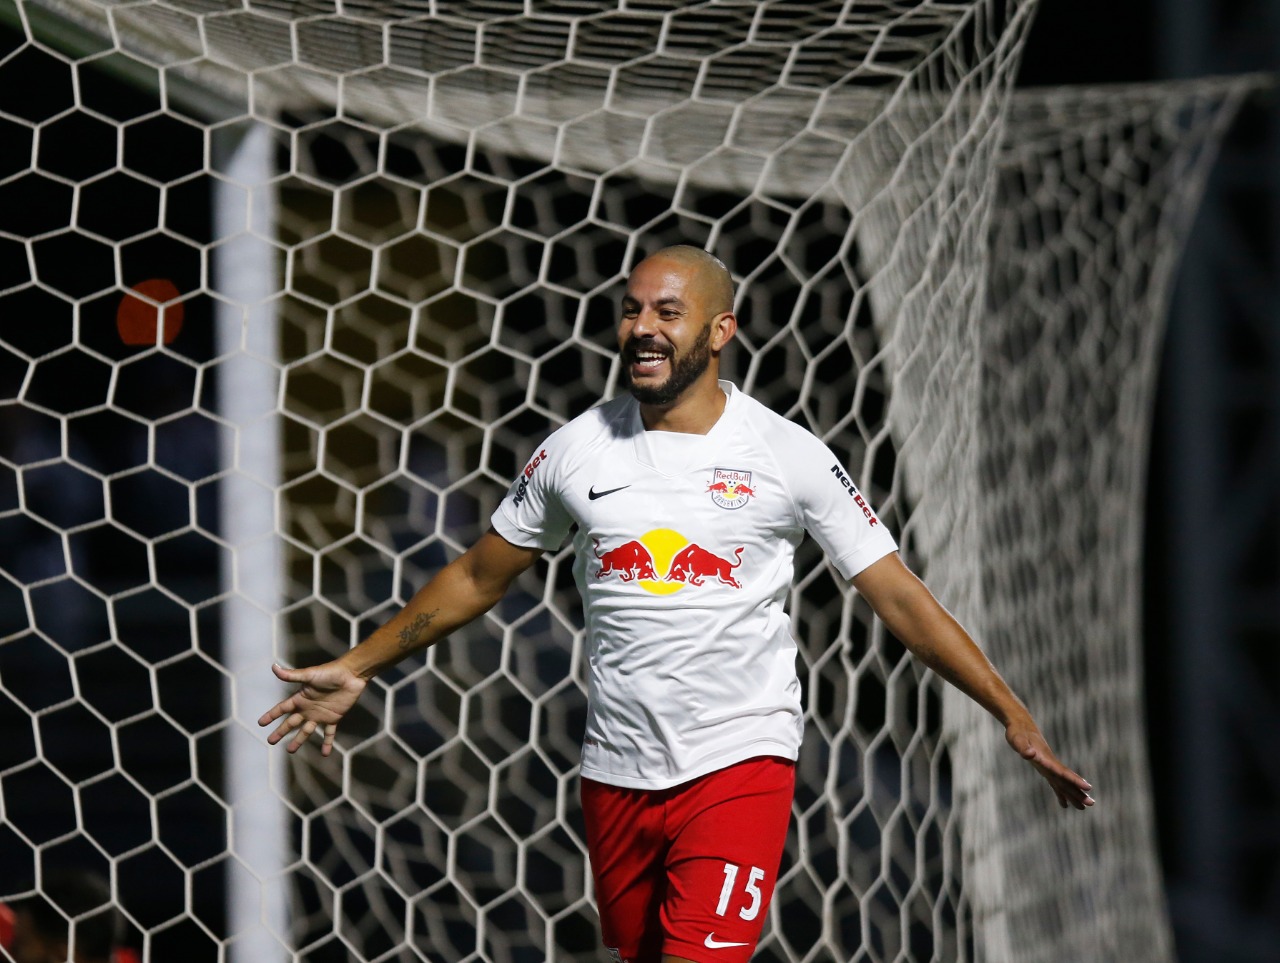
(412, 633)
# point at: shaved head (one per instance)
(710, 276)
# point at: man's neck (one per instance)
(694, 413)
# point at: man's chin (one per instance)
(659, 394)
(682, 374)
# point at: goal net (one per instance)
(1096, 188)
(291, 290)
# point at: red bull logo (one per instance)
(730, 487)
(629, 561)
(693, 563)
(663, 550)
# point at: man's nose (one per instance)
(646, 324)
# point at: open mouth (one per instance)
(646, 358)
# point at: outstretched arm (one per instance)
(913, 615)
(463, 590)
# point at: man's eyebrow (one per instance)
(661, 302)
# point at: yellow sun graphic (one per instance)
(662, 544)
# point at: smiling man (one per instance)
(689, 499)
(684, 286)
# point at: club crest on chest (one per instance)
(730, 488)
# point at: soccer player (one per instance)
(689, 500)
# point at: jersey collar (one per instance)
(697, 453)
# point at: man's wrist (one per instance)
(359, 663)
(1015, 715)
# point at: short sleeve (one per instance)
(532, 515)
(830, 506)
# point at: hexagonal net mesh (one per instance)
(291, 290)
(1096, 189)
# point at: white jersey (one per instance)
(684, 561)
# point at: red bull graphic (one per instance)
(693, 563)
(629, 561)
(684, 562)
(730, 488)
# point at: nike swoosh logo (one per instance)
(712, 943)
(593, 494)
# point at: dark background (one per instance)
(173, 757)
(1212, 571)
(1212, 603)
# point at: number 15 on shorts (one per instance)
(751, 888)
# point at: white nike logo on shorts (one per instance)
(712, 943)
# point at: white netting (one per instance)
(1097, 188)
(421, 217)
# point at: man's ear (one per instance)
(723, 328)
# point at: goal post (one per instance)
(247, 335)
(420, 224)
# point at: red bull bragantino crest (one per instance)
(730, 487)
(663, 561)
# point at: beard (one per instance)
(685, 369)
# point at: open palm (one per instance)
(325, 694)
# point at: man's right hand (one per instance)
(325, 694)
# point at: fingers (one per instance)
(276, 711)
(1076, 801)
(1082, 794)
(1073, 792)
(1067, 798)
(1077, 787)
(311, 707)
(303, 735)
(287, 705)
(305, 727)
(1071, 789)
(286, 727)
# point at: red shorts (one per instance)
(689, 871)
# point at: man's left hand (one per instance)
(1071, 788)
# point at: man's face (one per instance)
(665, 332)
